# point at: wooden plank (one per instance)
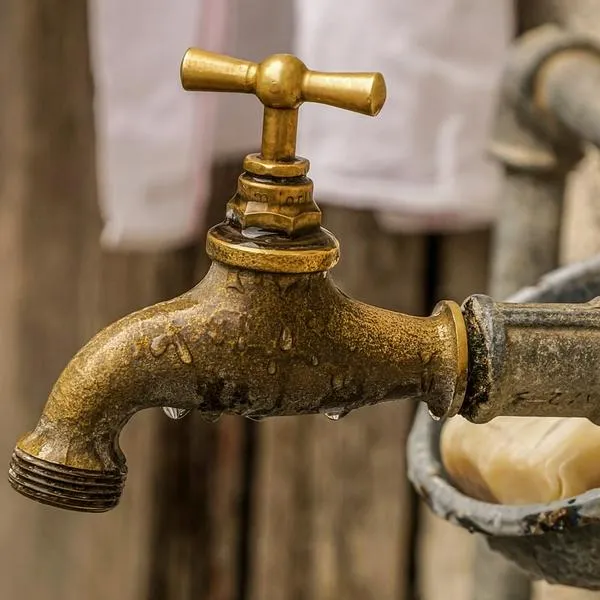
(445, 552)
(332, 509)
(50, 229)
(445, 557)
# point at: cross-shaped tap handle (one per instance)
(282, 83)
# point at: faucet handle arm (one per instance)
(203, 71)
(282, 83)
(358, 92)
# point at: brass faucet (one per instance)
(268, 333)
(265, 333)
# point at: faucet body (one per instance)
(241, 342)
(267, 332)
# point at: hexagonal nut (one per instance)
(263, 215)
(288, 208)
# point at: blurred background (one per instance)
(288, 509)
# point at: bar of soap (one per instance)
(522, 460)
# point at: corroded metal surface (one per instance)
(532, 359)
(578, 550)
(535, 360)
(240, 342)
(558, 542)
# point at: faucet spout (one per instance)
(241, 342)
(72, 458)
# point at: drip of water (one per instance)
(335, 414)
(286, 341)
(234, 282)
(175, 413)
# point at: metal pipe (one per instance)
(268, 333)
(532, 360)
(568, 87)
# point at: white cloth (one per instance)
(154, 140)
(421, 162)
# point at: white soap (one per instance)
(522, 460)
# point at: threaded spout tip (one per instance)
(65, 487)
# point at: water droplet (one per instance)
(337, 381)
(287, 340)
(314, 360)
(427, 381)
(159, 345)
(215, 330)
(272, 368)
(185, 356)
(425, 357)
(241, 343)
(211, 416)
(175, 413)
(234, 282)
(335, 414)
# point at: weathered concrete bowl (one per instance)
(558, 542)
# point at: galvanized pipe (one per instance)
(568, 88)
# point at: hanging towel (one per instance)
(156, 143)
(421, 163)
(154, 140)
